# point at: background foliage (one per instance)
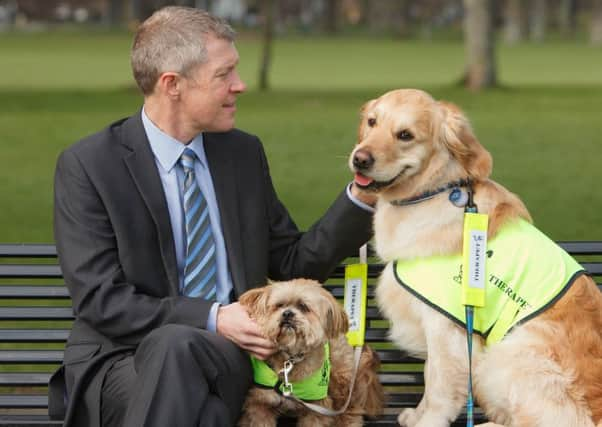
(543, 124)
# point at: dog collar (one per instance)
(456, 197)
(313, 387)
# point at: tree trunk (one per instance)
(596, 23)
(539, 20)
(366, 9)
(391, 16)
(114, 15)
(479, 43)
(567, 17)
(266, 48)
(188, 3)
(203, 4)
(515, 21)
(331, 16)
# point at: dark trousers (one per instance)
(179, 376)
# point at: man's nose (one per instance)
(238, 85)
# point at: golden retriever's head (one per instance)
(406, 135)
(298, 315)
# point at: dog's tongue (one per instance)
(362, 180)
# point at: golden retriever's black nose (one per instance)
(362, 160)
(288, 314)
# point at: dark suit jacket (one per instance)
(116, 248)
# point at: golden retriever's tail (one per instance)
(368, 377)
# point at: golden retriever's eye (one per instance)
(404, 135)
(303, 307)
(371, 122)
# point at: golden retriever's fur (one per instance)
(314, 317)
(545, 372)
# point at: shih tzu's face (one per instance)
(298, 315)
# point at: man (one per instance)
(161, 221)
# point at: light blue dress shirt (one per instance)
(167, 151)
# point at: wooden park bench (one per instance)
(35, 317)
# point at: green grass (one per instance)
(543, 127)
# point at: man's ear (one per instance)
(458, 137)
(256, 300)
(169, 83)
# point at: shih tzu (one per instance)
(308, 326)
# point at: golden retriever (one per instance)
(300, 316)
(413, 152)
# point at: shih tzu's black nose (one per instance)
(288, 314)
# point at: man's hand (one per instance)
(234, 323)
(367, 197)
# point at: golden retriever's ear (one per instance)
(458, 137)
(256, 300)
(337, 322)
(362, 126)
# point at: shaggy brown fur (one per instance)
(317, 318)
(545, 372)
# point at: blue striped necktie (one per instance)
(200, 269)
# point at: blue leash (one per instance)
(470, 399)
(469, 310)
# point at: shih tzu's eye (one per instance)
(371, 122)
(278, 305)
(302, 307)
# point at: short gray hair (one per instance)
(173, 39)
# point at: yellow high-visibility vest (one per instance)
(525, 271)
(314, 387)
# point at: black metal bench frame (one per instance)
(35, 315)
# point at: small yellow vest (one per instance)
(314, 387)
(526, 272)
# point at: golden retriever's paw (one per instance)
(489, 425)
(408, 417)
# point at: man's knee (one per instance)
(189, 344)
(172, 338)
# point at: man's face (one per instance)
(209, 93)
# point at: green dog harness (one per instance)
(525, 271)
(314, 387)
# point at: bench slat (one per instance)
(33, 291)
(24, 378)
(23, 401)
(33, 335)
(31, 356)
(582, 247)
(27, 250)
(409, 378)
(22, 271)
(36, 313)
(593, 268)
(396, 356)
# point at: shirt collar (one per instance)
(166, 148)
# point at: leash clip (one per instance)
(287, 388)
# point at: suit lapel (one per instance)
(141, 164)
(222, 171)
